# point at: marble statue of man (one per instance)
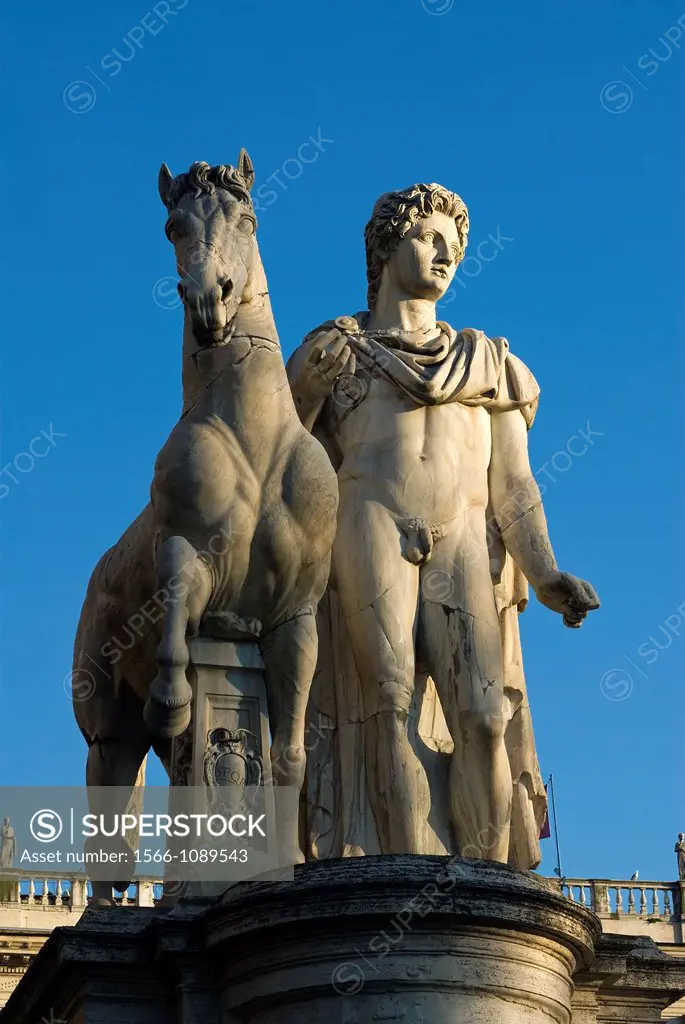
(8, 846)
(680, 851)
(440, 525)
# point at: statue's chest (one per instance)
(367, 409)
(366, 392)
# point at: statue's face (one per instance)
(424, 263)
(213, 236)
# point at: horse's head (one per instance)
(212, 227)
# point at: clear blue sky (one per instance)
(501, 102)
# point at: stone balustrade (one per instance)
(650, 901)
(69, 891)
(653, 909)
(656, 901)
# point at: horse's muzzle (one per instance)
(206, 337)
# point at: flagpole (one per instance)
(556, 827)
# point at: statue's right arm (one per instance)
(312, 370)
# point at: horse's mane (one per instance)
(201, 177)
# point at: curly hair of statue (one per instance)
(395, 214)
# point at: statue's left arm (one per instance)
(517, 507)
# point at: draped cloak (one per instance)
(337, 819)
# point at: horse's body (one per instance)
(237, 537)
(239, 499)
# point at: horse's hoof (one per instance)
(164, 721)
(98, 902)
(102, 895)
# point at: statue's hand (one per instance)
(329, 355)
(571, 597)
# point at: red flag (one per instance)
(545, 831)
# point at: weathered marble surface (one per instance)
(235, 543)
(420, 704)
(417, 939)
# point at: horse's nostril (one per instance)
(226, 289)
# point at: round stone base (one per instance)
(422, 940)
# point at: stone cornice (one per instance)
(371, 888)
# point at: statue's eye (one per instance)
(172, 227)
(246, 225)
(427, 236)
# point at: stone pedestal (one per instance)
(227, 742)
(418, 940)
(229, 714)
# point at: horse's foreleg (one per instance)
(289, 652)
(185, 582)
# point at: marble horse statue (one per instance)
(236, 540)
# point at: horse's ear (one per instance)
(164, 183)
(246, 168)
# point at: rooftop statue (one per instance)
(680, 852)
(8, 845)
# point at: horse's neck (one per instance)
(254, 325)
(255, 318)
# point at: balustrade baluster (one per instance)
(631, 900)
(642, 902)
(619, 900)
(656, 906)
